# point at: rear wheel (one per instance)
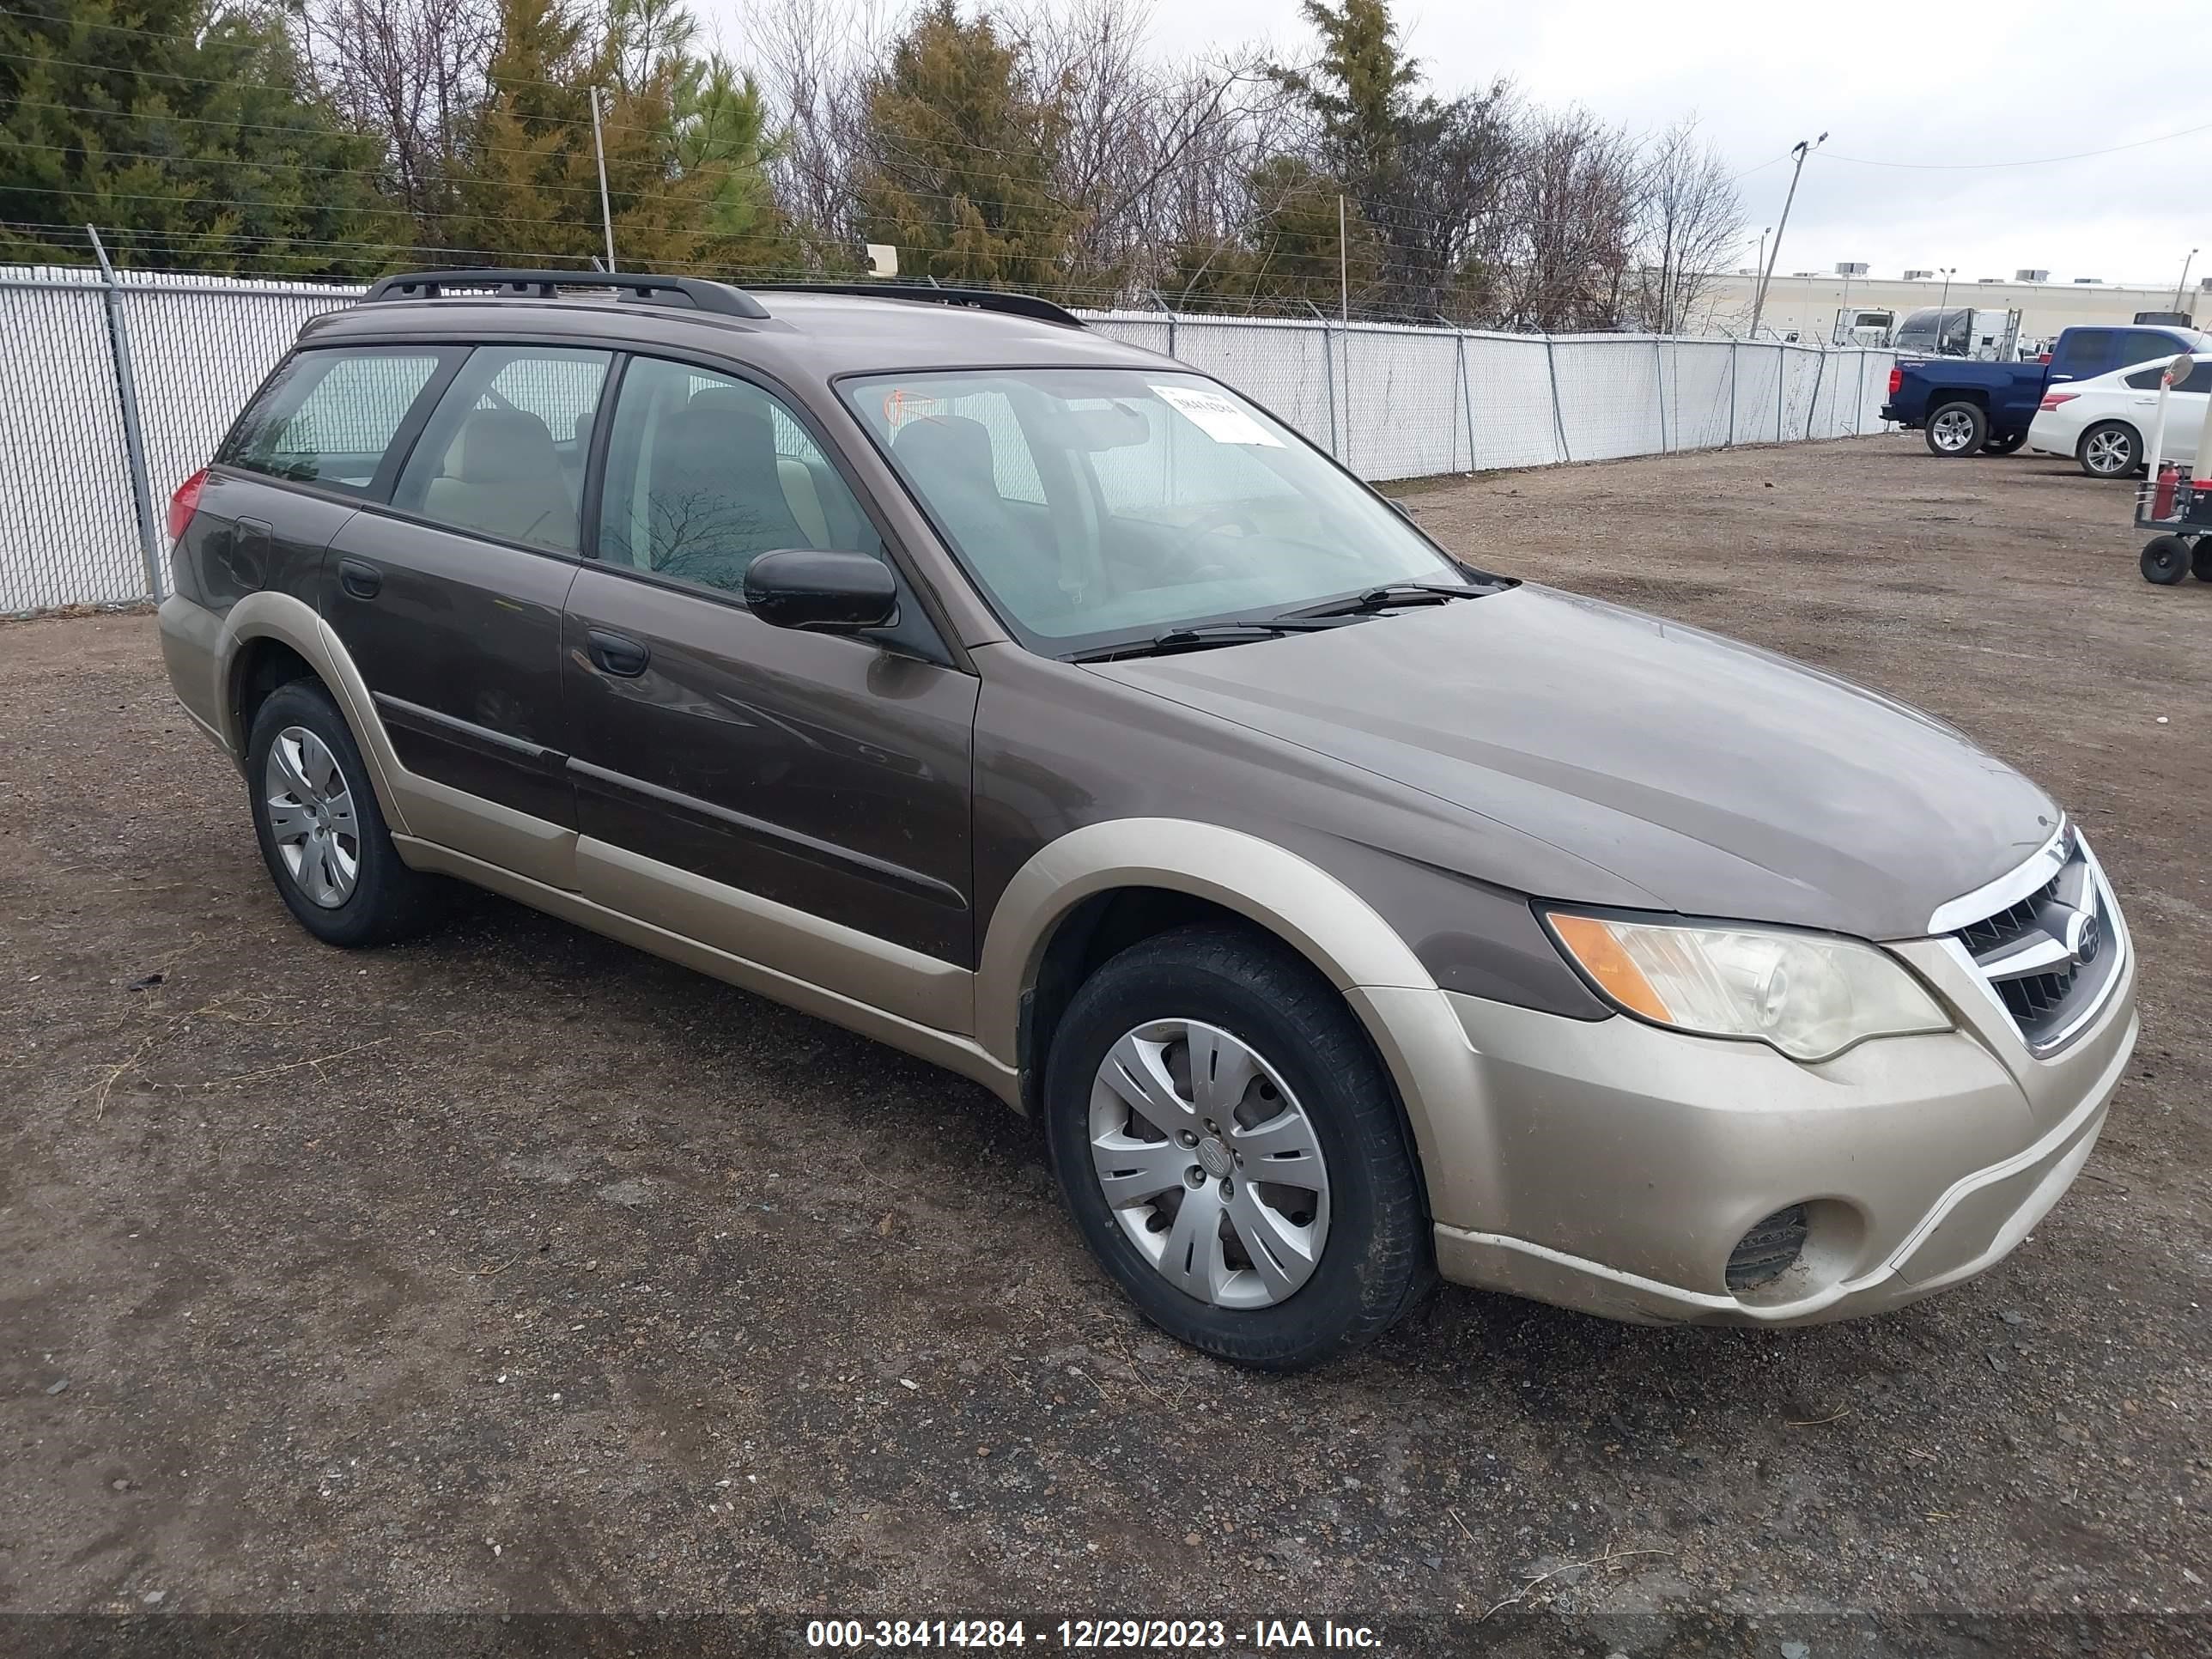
(1232, 1151)
(2166, 561)
(2002, 443)
(2109, 449)
(1959, 429)
(321, 832)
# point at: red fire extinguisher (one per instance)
(2169, 482)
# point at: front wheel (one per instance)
(2200, 561)
(2166, 559)
(1956, 429)
(2109, 449)
(1232, 1151)
(2002, 443)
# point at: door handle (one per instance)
(616, 654)
(363, 581)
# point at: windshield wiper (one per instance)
(1199, 637)
(1390, 597)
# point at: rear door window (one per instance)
(504, 454)
(329, 418)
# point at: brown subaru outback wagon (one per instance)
(1347, 913)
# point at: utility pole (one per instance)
(1343, 266)
(1804, 147)
(2184, 283)
(1344, 314)
(600, 150)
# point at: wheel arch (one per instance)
(1963, 394)
(264, 634)
(1140, 875)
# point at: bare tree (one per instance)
(411, 72)
(1688, 218)
(813, 58)
(1571, 209)
(1145, 141)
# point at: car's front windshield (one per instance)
(1097, 505)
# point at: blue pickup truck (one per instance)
(1969, 408)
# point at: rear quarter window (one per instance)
(329, 418)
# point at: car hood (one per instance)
(1720, 779)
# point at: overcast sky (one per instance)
(2029, 79)
(2016, 81)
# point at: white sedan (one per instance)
(2105, 422)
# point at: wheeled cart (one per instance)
(2174, 502)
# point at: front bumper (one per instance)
(1629, 1160)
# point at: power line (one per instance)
(2030, 162)
(302, 94)
(170, 39)
(269, 126)
(379, 175)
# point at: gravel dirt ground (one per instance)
(512, 1272)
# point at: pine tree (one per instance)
(960, 155)
(188, 133)
(682, 138)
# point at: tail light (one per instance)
(184, 503)
(2052, 399)
(2043, 358)
(1896, 381)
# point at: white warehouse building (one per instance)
(1808, 304)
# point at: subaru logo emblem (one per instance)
(2089, 940)
(2083, 938)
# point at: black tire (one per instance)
(2200, 559)
(2166, 559)
(1957, 428)
(2002, 443)
(2110, 449)
(1375, 1258)
(387, 901)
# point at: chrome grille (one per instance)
(2049, 958)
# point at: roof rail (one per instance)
(718, 297)
(975, 299)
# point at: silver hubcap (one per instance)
(1209, 1164)
(1954, 431)
(2110, 452)
(311, 816)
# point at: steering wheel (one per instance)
(1211, 522)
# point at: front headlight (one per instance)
(1810, 995)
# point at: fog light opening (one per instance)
(1769, 1250)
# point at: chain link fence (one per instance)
(115, 385)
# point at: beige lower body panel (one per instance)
(952, 1049)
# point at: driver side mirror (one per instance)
(827, 592)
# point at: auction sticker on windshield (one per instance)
(1218, 418)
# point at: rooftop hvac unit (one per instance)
(1917, 276)
(2030, 275)
(2204, 284)
(1851, 268)
(2088, 279)
(1986, 280)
